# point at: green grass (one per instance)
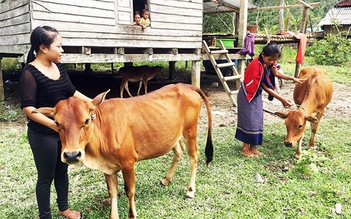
(9, 112)
(337, 74)
(305, 188)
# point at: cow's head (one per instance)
(295, 121)
(158, 70)
(75, 121)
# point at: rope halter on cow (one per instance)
(300, 106)
(297, 105)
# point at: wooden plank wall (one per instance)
(174, 24)
(15, 26)
(89, 25)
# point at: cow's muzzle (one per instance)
(72, 157)
(288, 144)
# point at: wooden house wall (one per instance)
(103, 23)
(15, 27)
(333, 30)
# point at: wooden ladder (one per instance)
(217, 66)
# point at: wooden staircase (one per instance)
(218, 66)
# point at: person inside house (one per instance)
(136, 18)
(145, 20)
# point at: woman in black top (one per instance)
(43, 83)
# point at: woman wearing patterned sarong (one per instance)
(259, 76)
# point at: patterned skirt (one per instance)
(250, 119)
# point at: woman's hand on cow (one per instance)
(299, 80)
(286, 103)
(54, 126)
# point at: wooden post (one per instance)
(171, 70)
(302, 30)
(241, 36)
(87, 68)
(2, 94)
(242, 22)
(112, 70)
(195, 73)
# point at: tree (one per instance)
(219, 23)
(290, 19)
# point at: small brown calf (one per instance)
(312, 96)
(137, 73)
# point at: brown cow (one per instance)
(312, 96)
(138, 73)
(111, 135)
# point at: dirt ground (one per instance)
(224, 113)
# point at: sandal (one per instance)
(71, 214)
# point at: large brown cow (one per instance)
(312, 96)
(111, 135)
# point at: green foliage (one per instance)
(219, 23)
(332, 50)
(10, 64)
(292, 17)
(268, 19)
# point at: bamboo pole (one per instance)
(2, 91)
(284, 7)
(305, 4)
(241, 37)
(302, 30)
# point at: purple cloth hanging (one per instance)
(249, 46)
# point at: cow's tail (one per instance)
(209, 145)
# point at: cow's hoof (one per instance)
(189, 198)
(165, 182)
(297, 156)
(190, 194)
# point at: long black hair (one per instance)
(271, 49)
(41, 35)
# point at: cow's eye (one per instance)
(86, 122)
(299, 127)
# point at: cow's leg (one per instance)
(193, 155)
(129, 179)
(145, 86)
(112, 184)
(121, 88)
(299, 150)
(127, 89)
(139, 88)
(178, 151)
(314, 127)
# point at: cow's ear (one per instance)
(47, 111)
(99, 99)
(312, 119)
(282, 115)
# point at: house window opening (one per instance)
(141, 13)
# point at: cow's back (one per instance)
(316, 91)
(140, 120)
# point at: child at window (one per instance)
(137, 18)
(145, 21)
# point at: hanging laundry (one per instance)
(249, 45)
